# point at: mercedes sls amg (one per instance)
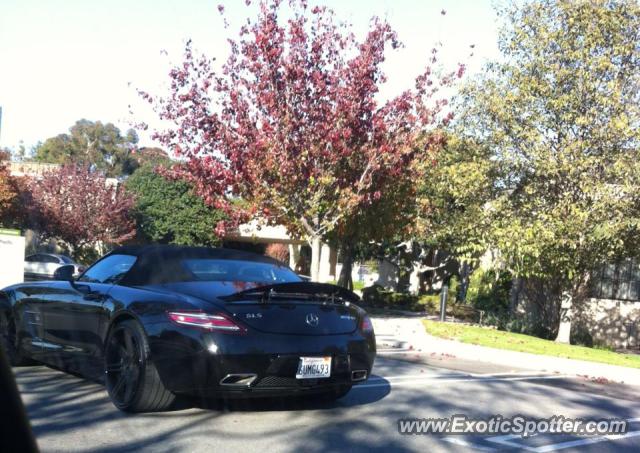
(157, 322)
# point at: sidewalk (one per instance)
(408, 334)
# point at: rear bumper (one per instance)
(207, 364)
(275, 375)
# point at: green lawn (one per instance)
(485, 336)
(358, 286)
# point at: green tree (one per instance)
(99, 145)
(437, 206)
(168, 211)
(560, 114)
(389, 219)
(452, 195)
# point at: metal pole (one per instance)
(443, 302)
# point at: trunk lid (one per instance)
(301, 308)
(296, 317)
(298, 308)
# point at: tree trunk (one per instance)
(347, 266)
(294, 256)
(564, 331)
(465, 271)
(517, 285)
(404, 272)
(316, 249)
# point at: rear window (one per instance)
(244, 271)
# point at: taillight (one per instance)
(366, 325)
(217, 322)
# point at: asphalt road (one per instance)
(71, 414)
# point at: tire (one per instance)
(9, 342)
(131, 378)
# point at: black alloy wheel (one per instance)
(131, 379)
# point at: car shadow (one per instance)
(55, 384)
(359, 395)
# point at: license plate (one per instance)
(314, 367)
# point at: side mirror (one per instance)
(64, 273)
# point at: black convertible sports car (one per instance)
(161, 321)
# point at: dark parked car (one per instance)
(42, 266)
(160, 321)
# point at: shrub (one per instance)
(378, 296)
(278, 252)
(431, 303)
(489, 291)
(168, 211)
(521, 323)
(373, 295)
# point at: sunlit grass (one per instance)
(485, 336)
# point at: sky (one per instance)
(63, 60)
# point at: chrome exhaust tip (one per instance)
(238, 380)
(358, 375)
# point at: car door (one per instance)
(39, 267)
(31, 263)
(51, 264)
(73, 314)
(42, 266)
(29, 320)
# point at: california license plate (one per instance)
(314, 367)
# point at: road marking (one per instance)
(463, 375)
(514, 373)
(519, 378)
(464, 443)
(428, 379)
(412, 376)
(506, 440)
(590, 440)
(400, 351)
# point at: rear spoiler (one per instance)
(305, 289)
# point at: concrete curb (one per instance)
(411, 333)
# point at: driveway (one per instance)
(71, 414)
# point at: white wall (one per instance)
(611, 322)
(259, 231)
(388, 275)
(11, 260)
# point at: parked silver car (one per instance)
(41, 266)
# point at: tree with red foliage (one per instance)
(8, 192)
(291, 125)
(82, 208)
(278, 251)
